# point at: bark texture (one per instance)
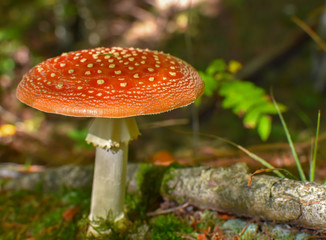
(271, 198)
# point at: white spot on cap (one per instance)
(79, 87)
(62, 64)
(117, 72)
(150, 69)
(71, 71)
(151, 79)
(100, 81)
(88, 73)
(124, 84)
(172, 73)
(90, 65)
(111, 65)
(83, 60)
(52, 75)
(136, 75)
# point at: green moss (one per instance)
(36, 215)
(165, 188)
(149, 178)
(117, 229)
(208, 219)
(169, 227)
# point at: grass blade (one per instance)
(260, 160)
(313, 161)
(288, 136)
(246, 151)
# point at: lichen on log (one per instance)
(269, 198)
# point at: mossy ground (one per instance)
(63, 215)
(35, 215)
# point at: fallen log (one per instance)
(302, 204)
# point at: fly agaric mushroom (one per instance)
(113, 85)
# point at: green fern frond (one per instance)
(244, 98)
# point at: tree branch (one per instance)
(269, 198)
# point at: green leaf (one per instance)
(234, 66)
(210, 84)
(240, 95)
(244, 98)
(255, 112)
(251, 118)
(217, 66)
(245, 105)
(264, 127)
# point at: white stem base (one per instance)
(111, 137)
(108, 191)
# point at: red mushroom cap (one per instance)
(110, 82)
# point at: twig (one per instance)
(321, 43)
(165, 123)
(266, 170)
(170, 210)
(245, 228)
(8, 116)
(186, 236)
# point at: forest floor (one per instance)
(53, 209)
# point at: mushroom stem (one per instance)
(111, 138)
(109, 182)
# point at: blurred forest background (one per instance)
(266, 37)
